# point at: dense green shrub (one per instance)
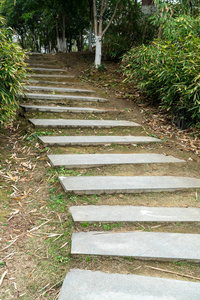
(169, 69)
(12, 74)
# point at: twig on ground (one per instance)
(13, 213)
(58, 293)
(2, 277)
(172, 272)
(7, 256)
(60, 221)
(36, 228)
(57, 238)
(48, 235)
(37, 190)
(21, 295)
(51, 288)
(15, 285)
(9, 245)
(44, 287)
(31, 273)
(64, 245)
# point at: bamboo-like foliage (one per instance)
(168, 69)
(12, 74)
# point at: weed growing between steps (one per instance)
(170, 227)
(34, 136)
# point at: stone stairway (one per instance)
(95, 140)
(163, 246)
(63, 123)
(128, 213)
(49, 97)
(84, 284)
(62, 109)
(55, 89)
(126, 184)
(95, 160)
(140, 245)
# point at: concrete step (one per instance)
(160, 246)
(39, 63)
(95, 160)
(56, 89)
(64, 109)
(95, 140)
(126, 184)
(46, 69)
(31, 81)
(74, 123)
(63, 97)
(43, 76)
(90, 285)
(128, 213)
(36, 53)
(37, 59)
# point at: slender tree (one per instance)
(90, 26)
(103, 5)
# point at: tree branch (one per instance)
(105, 6)
(101, 17)
(114, 13)
(102, 4)
(95, 17)
(102, 11)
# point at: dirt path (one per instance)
(35, 221)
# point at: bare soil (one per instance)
(36, 225)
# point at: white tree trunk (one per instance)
(148, 9)
(62, 45)
(58, 45)
(98, 51)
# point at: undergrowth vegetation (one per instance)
(168, 69)
(12, 74)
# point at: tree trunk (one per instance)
(64, 44)
(90, 27)
(98, 51)
(78, 43)
(90, 37)
(70, 44)
(22, 41)
(57, 35)
(98, 27)
(58, 44)
(36, 43)
(82, 45)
